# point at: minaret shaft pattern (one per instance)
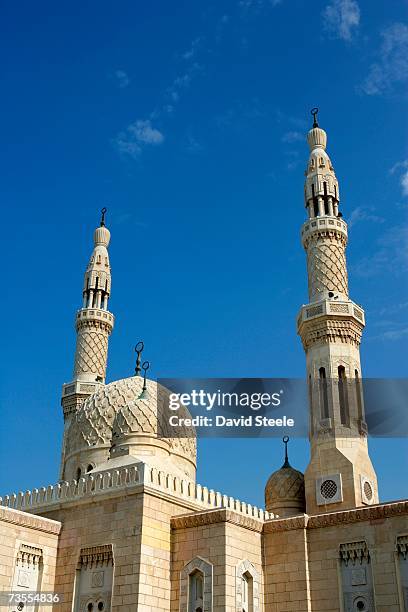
(326, 264)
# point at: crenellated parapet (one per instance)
(132, 478)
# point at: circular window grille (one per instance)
(360, 604)
(368, 491)
(328, 489)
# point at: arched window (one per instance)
(247, 592)
(315, 204)
(247, 587)
(90, 467)
(196, 591)
(310, 389)
(343, 397)
(78, 473)
(196, 586)
(326, 204)
(324, 399)
(359, 396)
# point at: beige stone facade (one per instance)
(127, 528)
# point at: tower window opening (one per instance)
(311, 426)
(247, 592)
(315, 204)
(343, 397)
(196, 591)
(324, 399)
(78, 473)
(89, 468)
(326, 204)
(358, 395)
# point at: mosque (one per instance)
(127, 528)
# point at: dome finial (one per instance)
(285, 441)
(138, 349)
(314, 112)
(145, 367)
(103, 213)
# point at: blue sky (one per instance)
(187, 120)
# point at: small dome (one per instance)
(285, 491)
(101, 236)
(121, 419)
(317, 138)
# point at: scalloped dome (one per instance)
(285, 492)
(119, 419)
(317, 137)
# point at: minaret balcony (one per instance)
(78, 387)
(95, 314)
(325, 223)
(329, 310)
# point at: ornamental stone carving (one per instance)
(91, 352)
(326, 266)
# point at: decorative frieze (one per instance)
(96, 556)
(23, 519)
(210, 517)
(354, 552)
(29, 556)
(402, 546)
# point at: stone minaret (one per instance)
(340, 474)
(94, 324)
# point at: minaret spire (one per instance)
(340, 474)
(94, 324)
(314, 112)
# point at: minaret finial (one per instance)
(314, 112)
(103, 212)
(285, 441)
(145, 367)
(138, 349)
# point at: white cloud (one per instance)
(190, 53)
(364, 213)
(136, 136)
(394, 334)
(392, 64)
(341, 18)
(145, 133)
(181, 83)
(391, 256)
(293, 136)
(402, 167)
(257, 4)
(122, 78)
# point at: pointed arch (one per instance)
(247, 587)
(196, 586)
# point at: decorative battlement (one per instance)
(131, 477)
